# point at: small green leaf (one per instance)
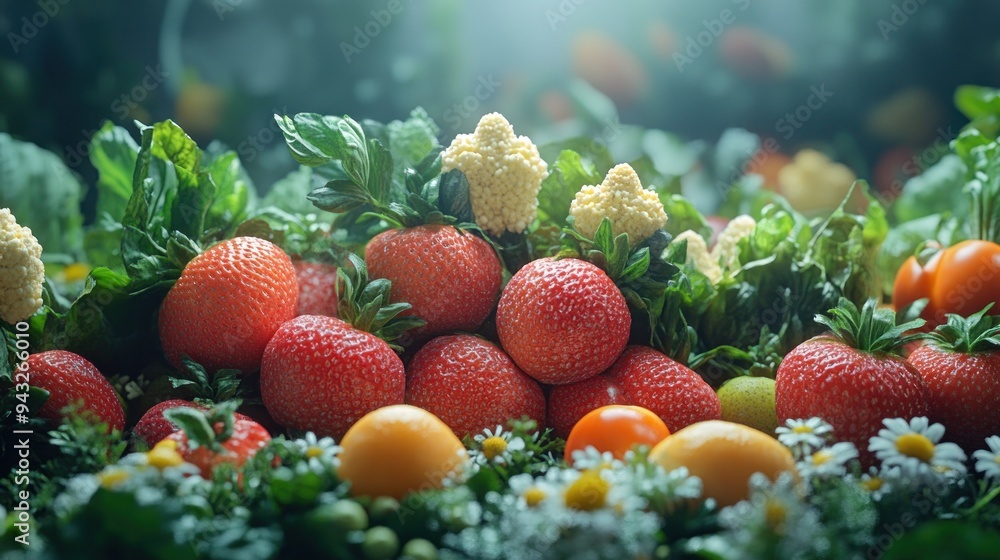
(602, 238)
(195, 425)
(339, 195)
(453, 196)
(637, 265)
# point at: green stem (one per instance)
(984, 501)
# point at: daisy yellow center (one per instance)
(534, 496)
(802, 430)
(588, 492)
(110, 478)
(775, 513)
(873, 484)
(821, 457)
(166, 444)
(996, 459)
(916, 446)
(493, 447)
(163, 456)
(313, 451)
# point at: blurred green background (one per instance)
(869, 82)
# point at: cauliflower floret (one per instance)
(621, 198)
(814, 184)
(725, 252)
(699, 257)
(21, 270)
(504, 171)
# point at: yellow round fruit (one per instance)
(723, 455)
(399, 449)
(749, 401)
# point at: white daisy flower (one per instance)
(828, 461)
(774, 511)
(591, 458)
(914, 447)
(988, 461)
(879, 482)
(495, 447)
(810, 433)
(321, 454)
(532, 492)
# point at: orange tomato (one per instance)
(615, 428)
(724, 455)
(966, 280)
(398, 449)
(914, 282)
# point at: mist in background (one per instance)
(869, 82)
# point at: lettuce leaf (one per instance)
(44, 195)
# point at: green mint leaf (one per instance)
(339, 196)
(453, 196)
(195, 425)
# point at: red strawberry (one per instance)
(317, 288)
(562, 321)
(72, 380)
(246, 438)
(322, 374)
(853, 378)
(451, 278)
(471, 385)
(227, 304)
(961, 369)
(640, 377)
(154, 426)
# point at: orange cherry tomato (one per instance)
(966, 280)
(615, 428)
(914, 282)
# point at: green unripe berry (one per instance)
(347, 515)
(420, 549)
(383, 507)
(381, 543)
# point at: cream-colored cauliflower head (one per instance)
(726, 252)
(698, 255)
(813, 183)
(622, 199)
(504, 171)
(21, 272)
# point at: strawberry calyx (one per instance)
(223, 385)
(612, 254)
(363, 303)
(871, 330)
(209, 429)
(978, 332)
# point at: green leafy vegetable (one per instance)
(44, 195)
(567, 175)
